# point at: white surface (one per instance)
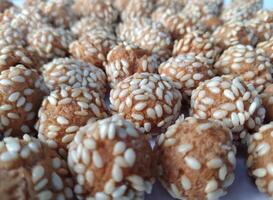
(243, 187)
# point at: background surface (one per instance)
(243, 187)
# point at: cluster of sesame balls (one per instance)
(86, 85)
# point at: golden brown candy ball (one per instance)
(30, 170)
(260, 159)
(230, 100)
(21, 94)
(111, 159)
(64, 111)
(196, 159)
(148, 100)
(126, 59)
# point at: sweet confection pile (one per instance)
(101, 98)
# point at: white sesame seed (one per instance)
(57, 181)
(97, 160)
(62, 120)
(219, 114)
(192, 162)
(211, 186)
(262, 148)
(185, 182)
(215, 163)
(117, 173)
(260, 172)
(184, 148)
(119, 148)
(130, 156)
(223, 172)
(37, 173)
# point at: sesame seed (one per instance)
(117, 173)
(119, 148)
(62, 120)
(192, 162)
(215, 163)
(211, 186)
(260, 172)
(130, 156)
(185, 182)
(184, 148)
(37, 173)
(97, 160)
(57, 181)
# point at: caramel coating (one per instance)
(123, 170)
(64, 111)
(186, 71)
(230, 100)
(148, 100)
(125, 60)
(30, 170)
(74, 73)
(248, 63)
(21, 94)
(196, 159)
(260, 158)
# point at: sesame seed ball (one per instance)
(21, 94)
(263, 30)
(49, 42)
(186, 71)
(137, 8)
(266, 48)
(123, 170)
(178, 24)
(90, 24)
(260, 158)
(64, 111)
(267, 98)
(93, 47)
(229, 100)
(197, 42)
(59, 14)
(5, 4)
(126, 59)
(148, 100)
(246, 62)
(233, 33)
(240, 10)
(30, 170)
(148, 35)
(96, 8)
(74, 73)
(203, 8)
(196, 159)
(11, 55)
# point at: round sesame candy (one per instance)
(26, 165)
(178, 24)
(12, 55)
(93, 47)
(91, 24)
(148, 35)
(200, 170)
(260, 158)
(199, 43)
(18, 110)
(233, 33)
(245, 61)
(241, 10)
(266, 48)
(137, 9)
(267, 101)
(154, 101)
(125, 59)
(49, 42)
(100, 9)
(61, 120)
(126, 164)
(230, 104)
(59, 14)
(74, 73)
(186, 71)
